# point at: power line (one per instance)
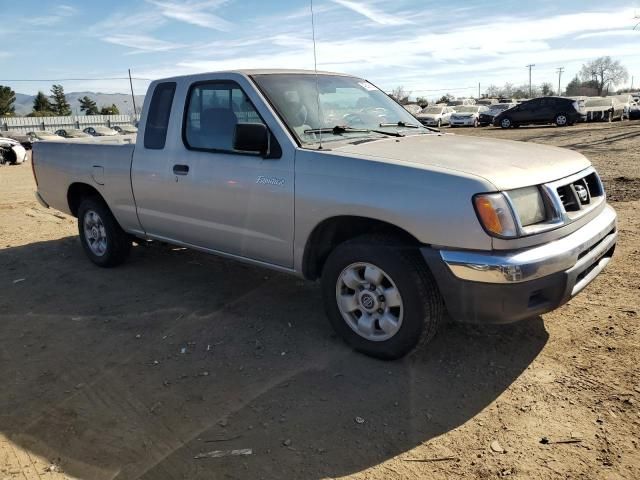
(73, 79)
(442, 89)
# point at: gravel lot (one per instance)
(132, 372)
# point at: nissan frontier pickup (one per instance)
(326, 177)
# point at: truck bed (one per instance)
(103, 166)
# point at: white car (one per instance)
(634, 110)
(11, 152)
(43, 136)
(125, 129)
(467, 116)
(413, 109)
(100, 131)
(435, 116)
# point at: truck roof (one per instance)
(258, 71)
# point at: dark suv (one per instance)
(559, 110)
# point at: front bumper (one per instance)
(503, 287)
(462, 122)
(430, 121)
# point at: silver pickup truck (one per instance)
(326, 177)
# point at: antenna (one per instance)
(315, 68)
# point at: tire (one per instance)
(506, 122)
(561, 120)
(420, 310)
(475, 123)
(102, 238)
(439, 123)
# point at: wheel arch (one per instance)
(79, 191)
(333, 231)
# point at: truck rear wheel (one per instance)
(103, 240)
(380, 296)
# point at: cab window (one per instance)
(213, 111)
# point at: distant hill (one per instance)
(24, 103)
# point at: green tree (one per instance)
(59, 104)
(422, 101)
(445, 99)
(400, 95)
(546, 89)
(7, 99)
(41, 106)
(577, 88)
(88, 106)
(605, 72)
(112, 110)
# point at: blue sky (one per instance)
(429, 47)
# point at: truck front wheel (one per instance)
(380, 296)
(103, 240)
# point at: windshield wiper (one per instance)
(409, 125)
(338, 129)
(400, 124)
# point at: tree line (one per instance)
(596, 78)
(54, 105)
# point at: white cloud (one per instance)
(44, 21)
(142, 43)
(194, 13)
(611, 33)
(66, 10)
(372, 13)
(125, 22)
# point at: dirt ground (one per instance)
(134, 372)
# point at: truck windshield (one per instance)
(311, 109)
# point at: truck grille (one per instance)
(580, 193)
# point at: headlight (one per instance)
(528, 205)
(495, 215)
(506, 214)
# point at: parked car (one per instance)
(466, 116)
(71, 133)
(21, 137)
(125, 129)
(413, 109)
(634, 110)
(604, 109)
(11, 152)
(461, 101)
(544, 110)
(100, 131)
(486, 118)
(486, 101)
(42, 136)
(435, 116)
(399, 223)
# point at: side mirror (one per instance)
(251, 137)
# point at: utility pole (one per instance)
(479, 89)
(133, 98)
(559, 70)
(529, 67)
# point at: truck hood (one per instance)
(505, 164)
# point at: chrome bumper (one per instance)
(585, 247)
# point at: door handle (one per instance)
(181, 169)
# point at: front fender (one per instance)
(432, 204)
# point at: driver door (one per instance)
(203, 193)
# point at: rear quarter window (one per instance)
(155, 133)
